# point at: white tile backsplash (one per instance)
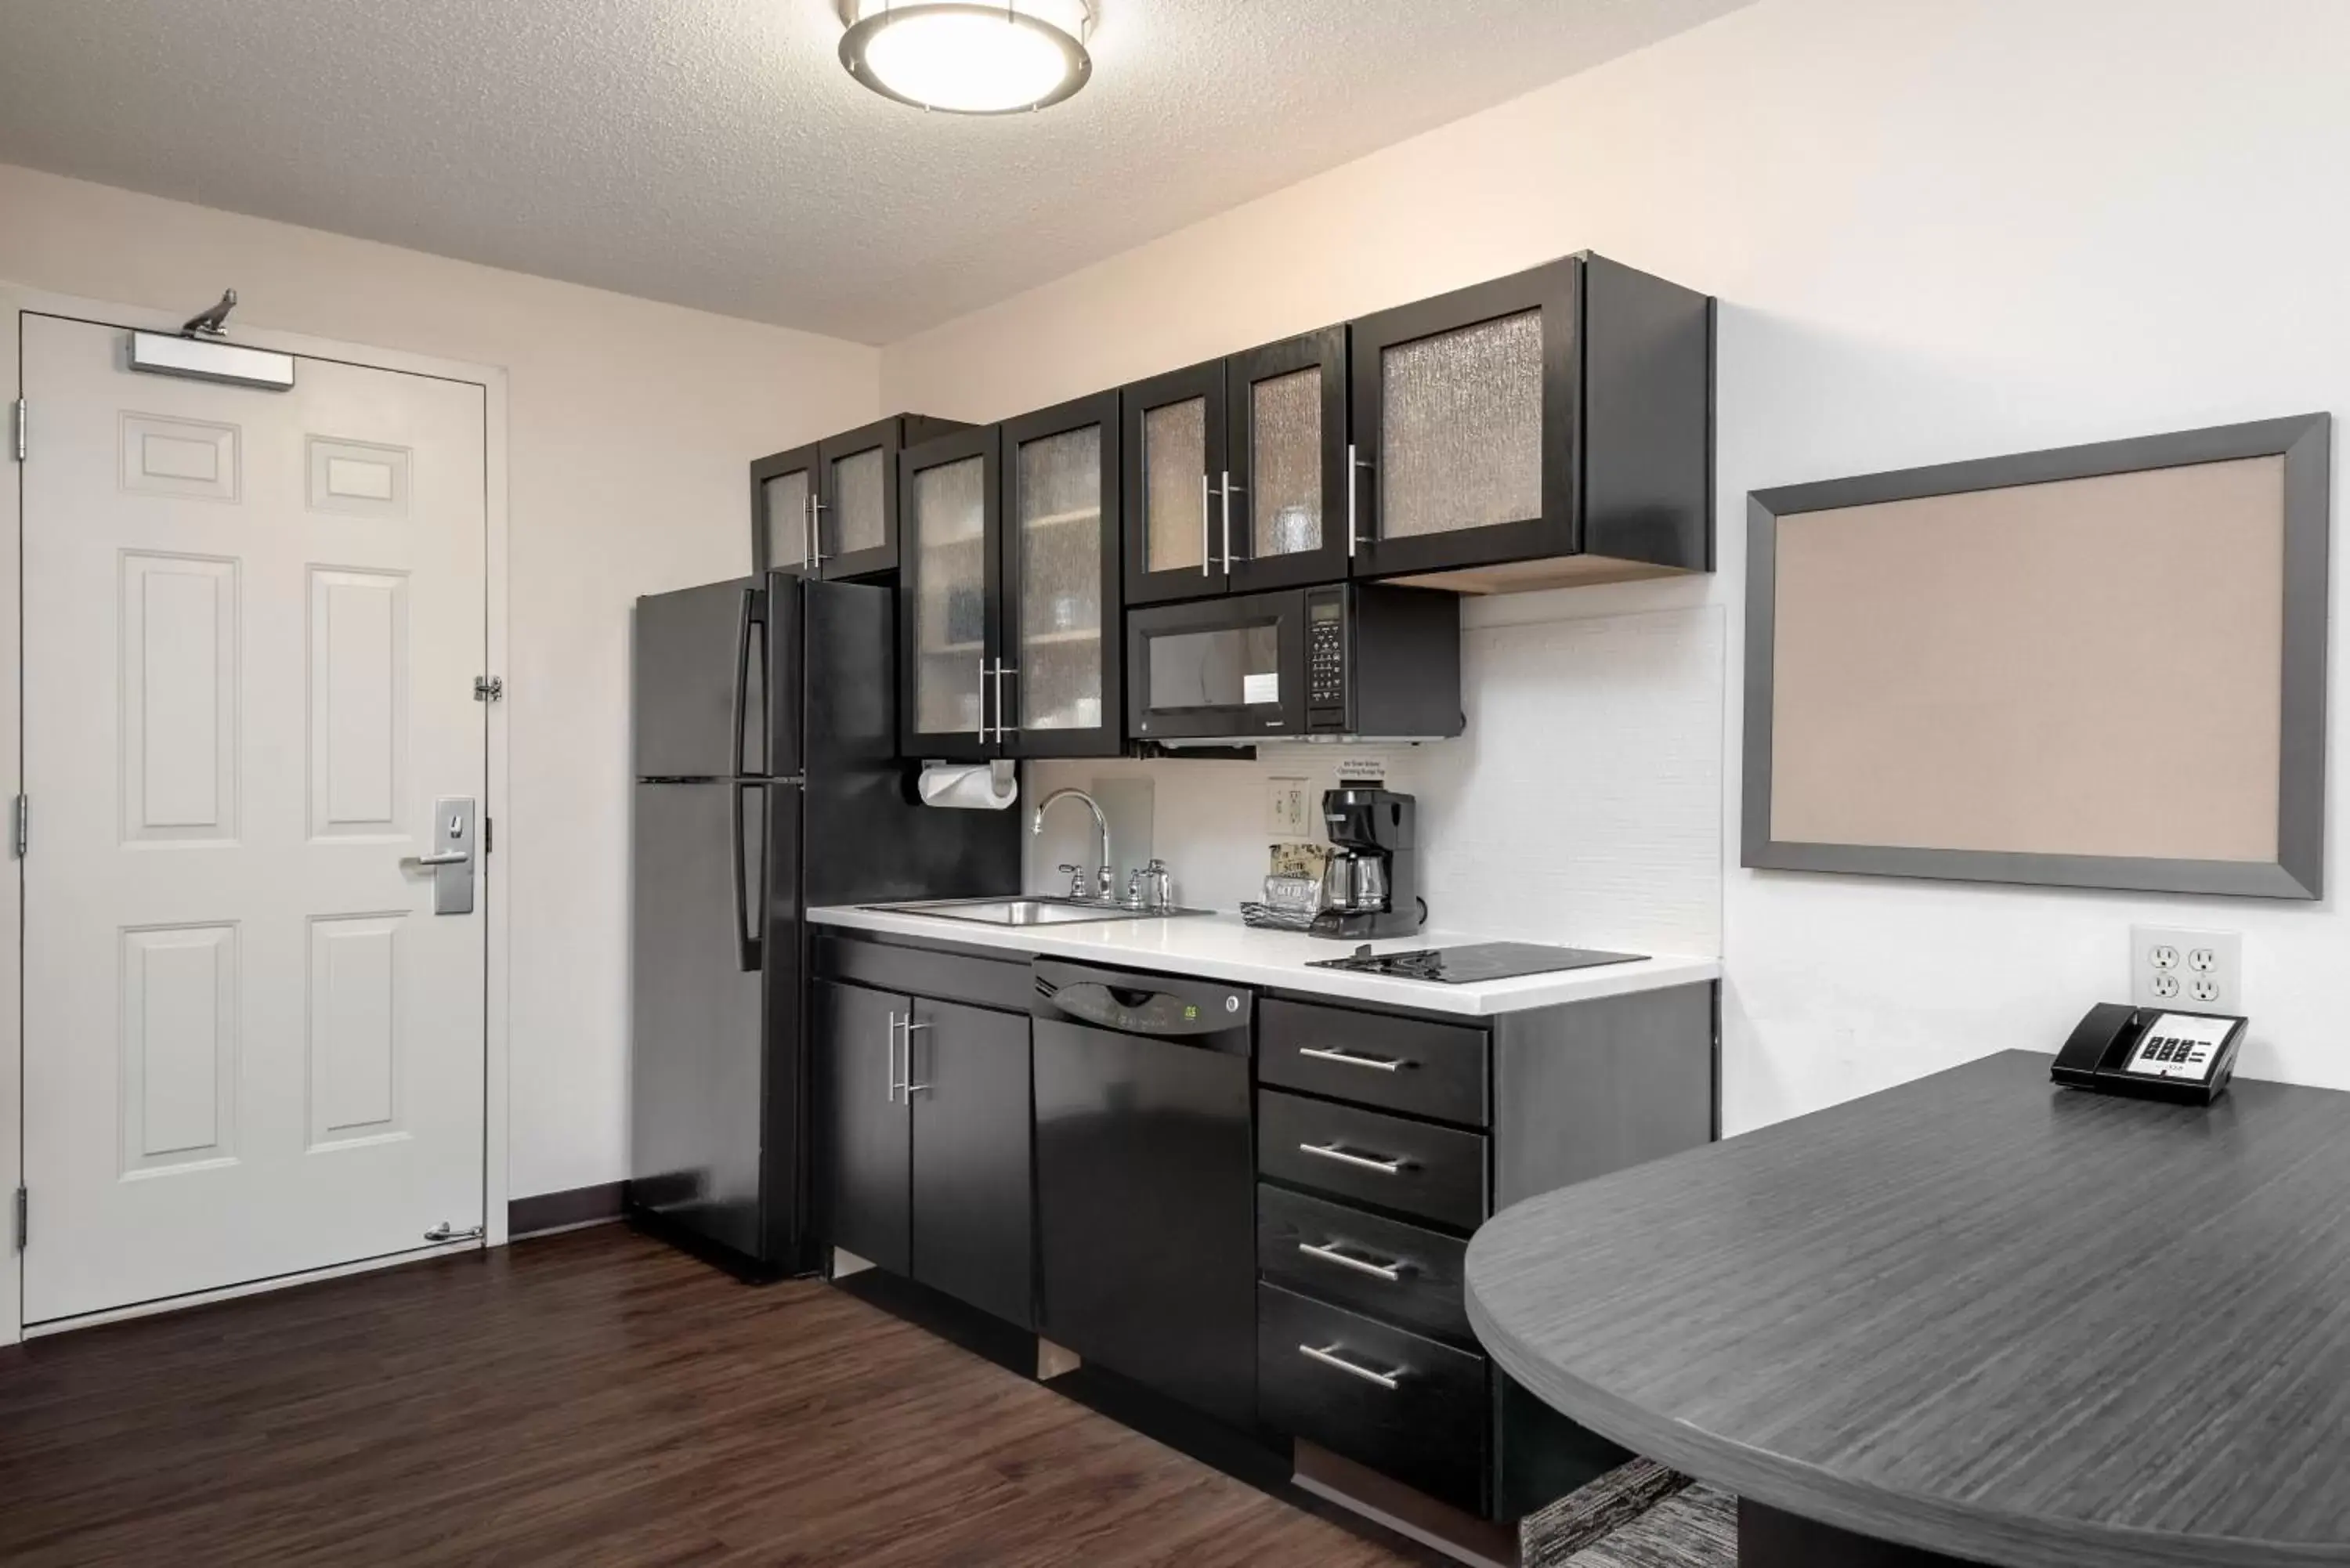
(1583, 803)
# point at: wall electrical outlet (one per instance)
(1290, 804)
(2198, 971)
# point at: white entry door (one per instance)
(252, 624)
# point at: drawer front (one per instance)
(1382, 1268)
(1374, 1058)
(1437, 1173)
(1409, 1408)
(966, 977)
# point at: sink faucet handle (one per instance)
(1077, 880)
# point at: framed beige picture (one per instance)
(2094, 667)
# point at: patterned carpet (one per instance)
(1639, 1515)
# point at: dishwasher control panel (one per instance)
(1142, 1005)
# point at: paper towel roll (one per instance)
(971, 786)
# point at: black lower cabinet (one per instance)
(864, 1143)
(1407, 1407)
(923, 1140)
(971, 1232)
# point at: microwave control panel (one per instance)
(1325, 663)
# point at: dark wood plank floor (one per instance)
(592, 1399)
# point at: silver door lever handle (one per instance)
(445, 857)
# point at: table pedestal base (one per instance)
(1770, 1539)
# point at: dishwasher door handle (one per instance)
(1345, 1156)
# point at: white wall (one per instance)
(1939, 229)
(1582, 804)
(632, 427)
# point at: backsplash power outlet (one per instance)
(1289, 807)
(2198, 971)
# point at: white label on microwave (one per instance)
(1260, 689)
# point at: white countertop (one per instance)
(1219, 947)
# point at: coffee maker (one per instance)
(1370, 887)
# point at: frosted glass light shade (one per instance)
(968, 56)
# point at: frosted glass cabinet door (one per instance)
(781, 488)
(947, 591)
(1061, 569)
(1288, 444)
(860, 517)
(1464, 414)
(857, 506)
(1177, 523)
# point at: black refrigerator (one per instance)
(767, 784)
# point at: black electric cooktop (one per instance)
(1478, 962)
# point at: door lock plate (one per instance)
(450, 858)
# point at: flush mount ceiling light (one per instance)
(969, 56)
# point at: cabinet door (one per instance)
(1061, 676)
(857, 502)
(1466, 413)
(783, 511)
(1287, 488)
(1179, 522)
(972, 1189)
(862, 1127)
(949, 588)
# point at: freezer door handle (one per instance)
(750, 946)
(750, 613)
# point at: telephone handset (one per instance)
(2146, 1051)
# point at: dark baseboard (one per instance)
(560, 1210)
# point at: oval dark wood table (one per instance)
(1976, 1318)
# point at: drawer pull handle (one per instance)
(1345, 1156)
(1392, 1272)
(1330, 1357)
(1351, 1058)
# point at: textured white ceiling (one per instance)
(713, 153)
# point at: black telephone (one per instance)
(2149, 1052)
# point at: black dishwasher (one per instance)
(1144, 1196)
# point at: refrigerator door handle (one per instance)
(750, 613)
(749, 944)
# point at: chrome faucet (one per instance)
(1101, 826)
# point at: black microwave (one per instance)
(1349, 662)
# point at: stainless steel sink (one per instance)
(1027, 912)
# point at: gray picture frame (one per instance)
(2305, 443)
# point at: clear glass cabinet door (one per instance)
(1057, 521)
(947, 521)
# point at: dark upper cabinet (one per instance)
(1551, 427)
(1057, 688)
(1178, 523)
(1236, 472)
(831, 509)
(783, 511)
(1286, 487)
(950, 596)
